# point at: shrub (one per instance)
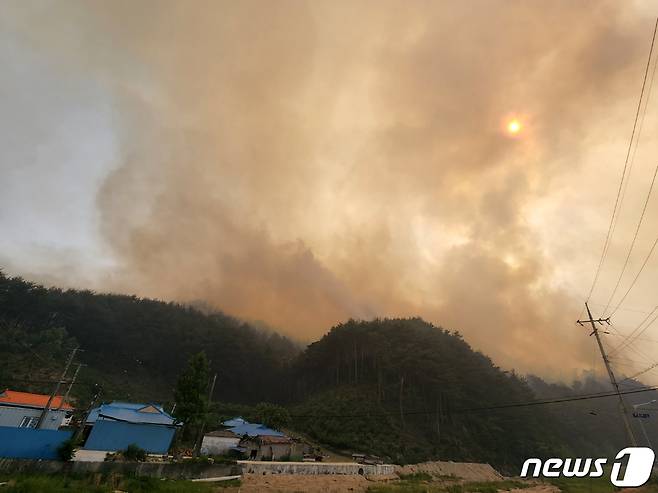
(134, 453)
(455, 488)
(66, 450)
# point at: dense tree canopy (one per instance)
(136, 347)
(400, 388)
(413, 383)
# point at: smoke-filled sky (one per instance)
(301, 163)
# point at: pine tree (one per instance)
(192, 391)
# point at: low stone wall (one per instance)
(311, 468)
(151, 469)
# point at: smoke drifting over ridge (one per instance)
(306, 162)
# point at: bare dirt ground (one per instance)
(293, 483)
(328, 483)
(467, 471)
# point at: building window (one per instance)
(29, 422)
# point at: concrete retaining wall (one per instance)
(151, 469)
(312, 468)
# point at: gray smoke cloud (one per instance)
(301, 162)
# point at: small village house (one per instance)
(265, 447)
(23, 409)
(113, 427)
(220, 442)
(257, 441)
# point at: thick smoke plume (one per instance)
(301, 163)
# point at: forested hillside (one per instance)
(412, 385)
(134, 347)
(400, 388)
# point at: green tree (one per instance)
(271, 415)
(192, 391)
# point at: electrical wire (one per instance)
(598, 395)
(640, 373)
(644, 264)
(636, 333)
(644, 339)
(635, 235)
(617, 206)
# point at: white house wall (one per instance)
(218, 445)
(13, 416)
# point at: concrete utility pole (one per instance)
(622, 405)
(44, 413)
(78, 432)
(71, 383)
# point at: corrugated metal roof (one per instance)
(131, 413)
(234, 422)
(242, 427)
(27, 399)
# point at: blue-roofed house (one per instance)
(115, 426)
(241, 428)
(260, 442)
(234, 422)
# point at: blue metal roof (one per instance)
(242, 427)
(235, 422)
(130, 413)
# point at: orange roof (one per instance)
(31, 400)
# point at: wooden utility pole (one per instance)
(42, 417)
(622, 405)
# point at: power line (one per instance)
(631, 347)
(635, 334)
(646, 260)
(640, 373)
(644, 339)
(626, 309)
(630, 168)
(635, 235)
(617, 205)
(583, 397)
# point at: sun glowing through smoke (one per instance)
(514, 126)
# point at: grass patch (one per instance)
(413, 483)
(96, 483)
(585, 485)
(403, 487)
(494, 486)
